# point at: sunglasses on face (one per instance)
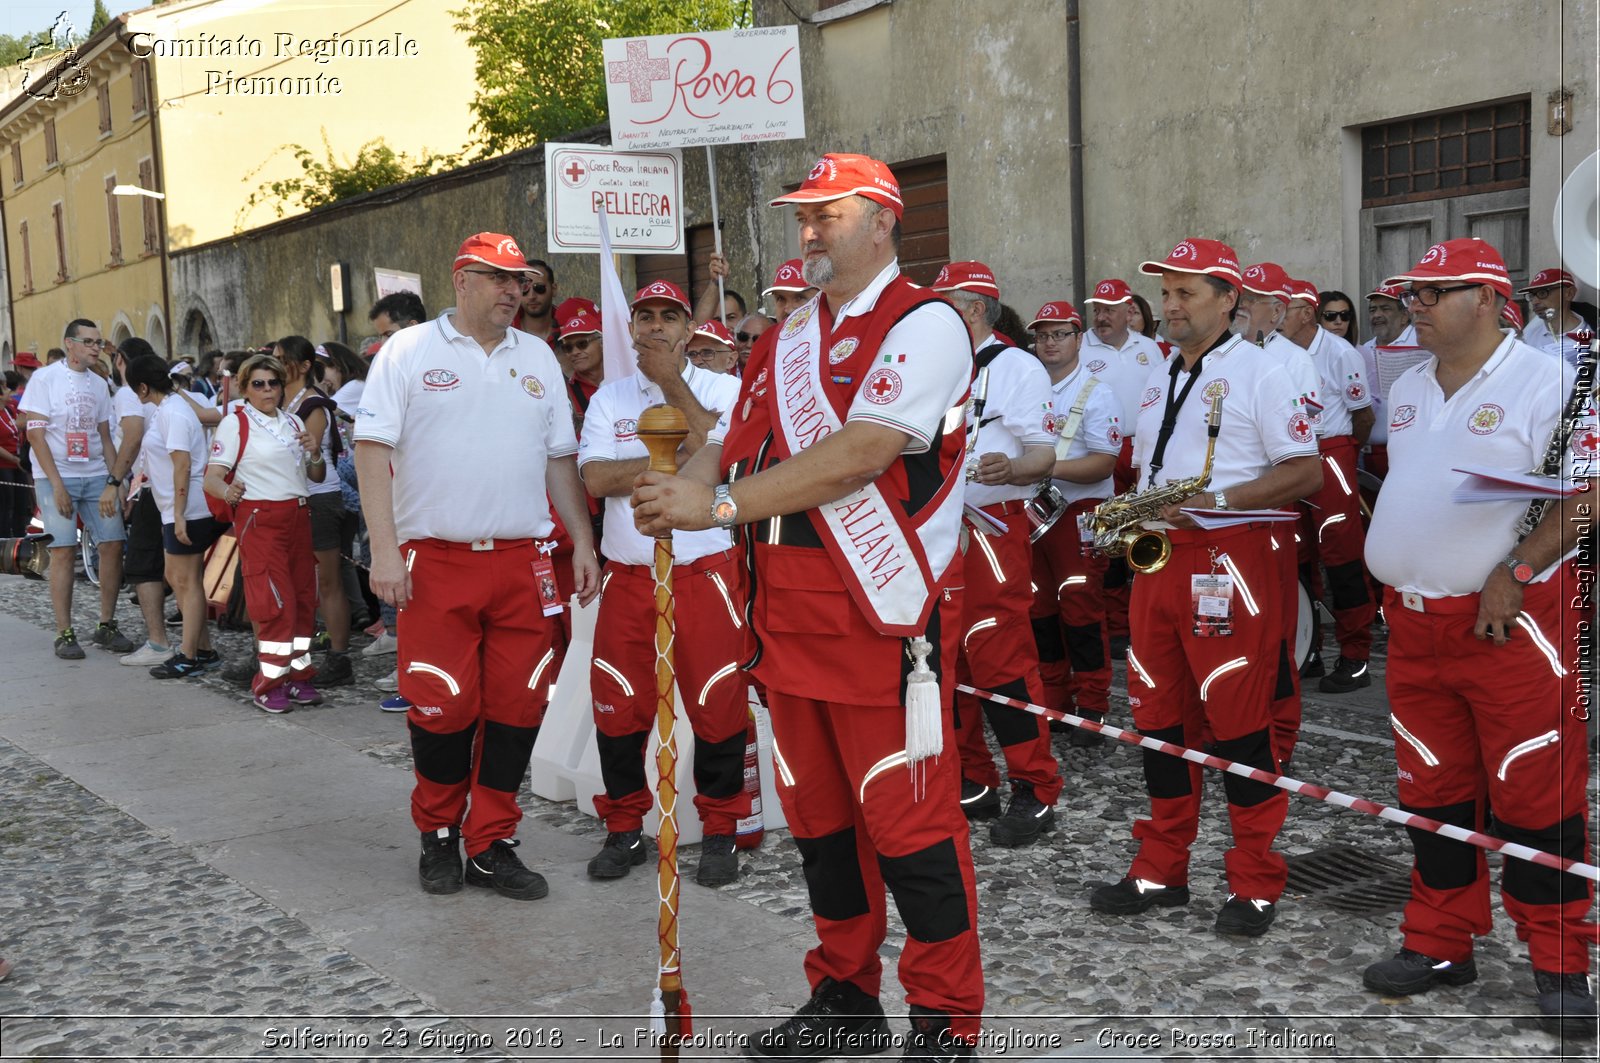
(747, 337)
(575, 345)
(266, 385)
(1338, 315)
(535, 287)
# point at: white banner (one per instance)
(640, 191)
(389, 281)
(725, 87)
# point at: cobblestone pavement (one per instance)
(108, 918)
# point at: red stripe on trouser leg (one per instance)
(1069, 586)
(280, 587)
(471, 638)
(1287, 710)
(625, 641)
(997, 649)
(829, 751)
(1472, 710)
(1340, 538)
(1237, 696)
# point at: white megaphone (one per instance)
(1577, 221)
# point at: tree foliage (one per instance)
(539, 69)
(98, 20)
(322, 181)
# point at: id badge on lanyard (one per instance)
(1211, 599)
(77, 446)
(544, 579)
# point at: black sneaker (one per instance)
(321, 642)
(497, 868)
(1243, 917)
(838, 1020)
(1408, 972)
(1081, 738)
(1026, 818)
(67, 647)
(336, 670)
(930, 1039)
(177, 667)
(979, 801)
(240, 672)
(109, 637)
(1134, 895)
(719, 861)
(1312, 667)
(1346, 676)
(208, 659)
(1566, 1003)
(623, 851)
(440, 866)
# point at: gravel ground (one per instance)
(1163, 985)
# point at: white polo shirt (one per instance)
(471, 432)
(1344, 385)
(1017, 413)
(272, 467)
(1263, 422)
(75, 404)
(1297, 360)
(1124, 368)
(610, 433)
(1100, 431)
(1537, 335)
(1420, 540)
(173, 426)
(1380, 403)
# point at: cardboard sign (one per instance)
(641, 192)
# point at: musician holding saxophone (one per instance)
(1206, 618)
(1482, 671)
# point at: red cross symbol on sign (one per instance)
(574, 171)
(639, 71)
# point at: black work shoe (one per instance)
(1408, 972)
(1346, 676)
(930, 1040)
(719, 861)
(1085, 739)
(336, 670)
(1134, 895)
(623, 851)
(440, 866)
(109, 637)
(1244, 917)
(838, 1020)
(1312, 667)
(67, 647)
(1026, 818)
(497, 868)
(979, 801)
(1566, 1003)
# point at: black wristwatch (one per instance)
(1520, 570)
(112, 481)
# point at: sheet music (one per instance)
(1392, 362)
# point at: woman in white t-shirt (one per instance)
(272, 469)
(174, 454)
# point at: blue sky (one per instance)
(25, 16)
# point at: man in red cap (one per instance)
(1013, 436)
(456, 554)
(847, 449)
(583, 346)
(1554, 327)
(711, 348)
(1208, 624)
(789, 289)
(1392, 336)
(1482, 675)
(706, 579)
(1069, 602)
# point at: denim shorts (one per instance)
(85, 492)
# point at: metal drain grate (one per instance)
(1350, 880)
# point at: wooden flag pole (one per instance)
(661, 429)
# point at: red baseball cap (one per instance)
(1386, 291)
(1060, 313)
(789, 278)
(836, 176)
(967, 277)
(1465, 259)
(578, 323)
(1305, 291)
(1194, 255)
(715, 330)
(1110, 291)
(1268, 278)
(662, 290)
(26, 360)
(495, 250)
(1549, 278)
(567, 307)
(1512, 314)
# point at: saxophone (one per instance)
(1117, 522)
(1555, 447)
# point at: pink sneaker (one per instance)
(377, 628)
(301, 692)
(274, 700)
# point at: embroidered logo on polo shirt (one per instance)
(1300, 428)
(842, 350)
(798, 320)
(440, 380)
(216, 448)
(1403, 417)
(882, 387)
(1052, 424)
(1151, 397)
(759, 385)
(1216, 389)
(1113, 434)
(533, 386)
(1486, 419)
(1144, 359)
(1585, 442)
(1097, 366)
(1356, 391)
(626, 428)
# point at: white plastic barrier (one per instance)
(566, 762)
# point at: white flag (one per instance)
(617, 342)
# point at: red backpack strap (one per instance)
(244, 438)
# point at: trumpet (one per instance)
(1117, 523)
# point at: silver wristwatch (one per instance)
(1222, 499)
(724, 511)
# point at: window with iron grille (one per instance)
(1476, 149)
(114, 221)
(27, 258)
(103, 91)
(50, 156)
(59, 217)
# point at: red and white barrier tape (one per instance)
(1321, 793)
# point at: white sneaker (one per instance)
(147, 655)
(389, 682)
(383, 646)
